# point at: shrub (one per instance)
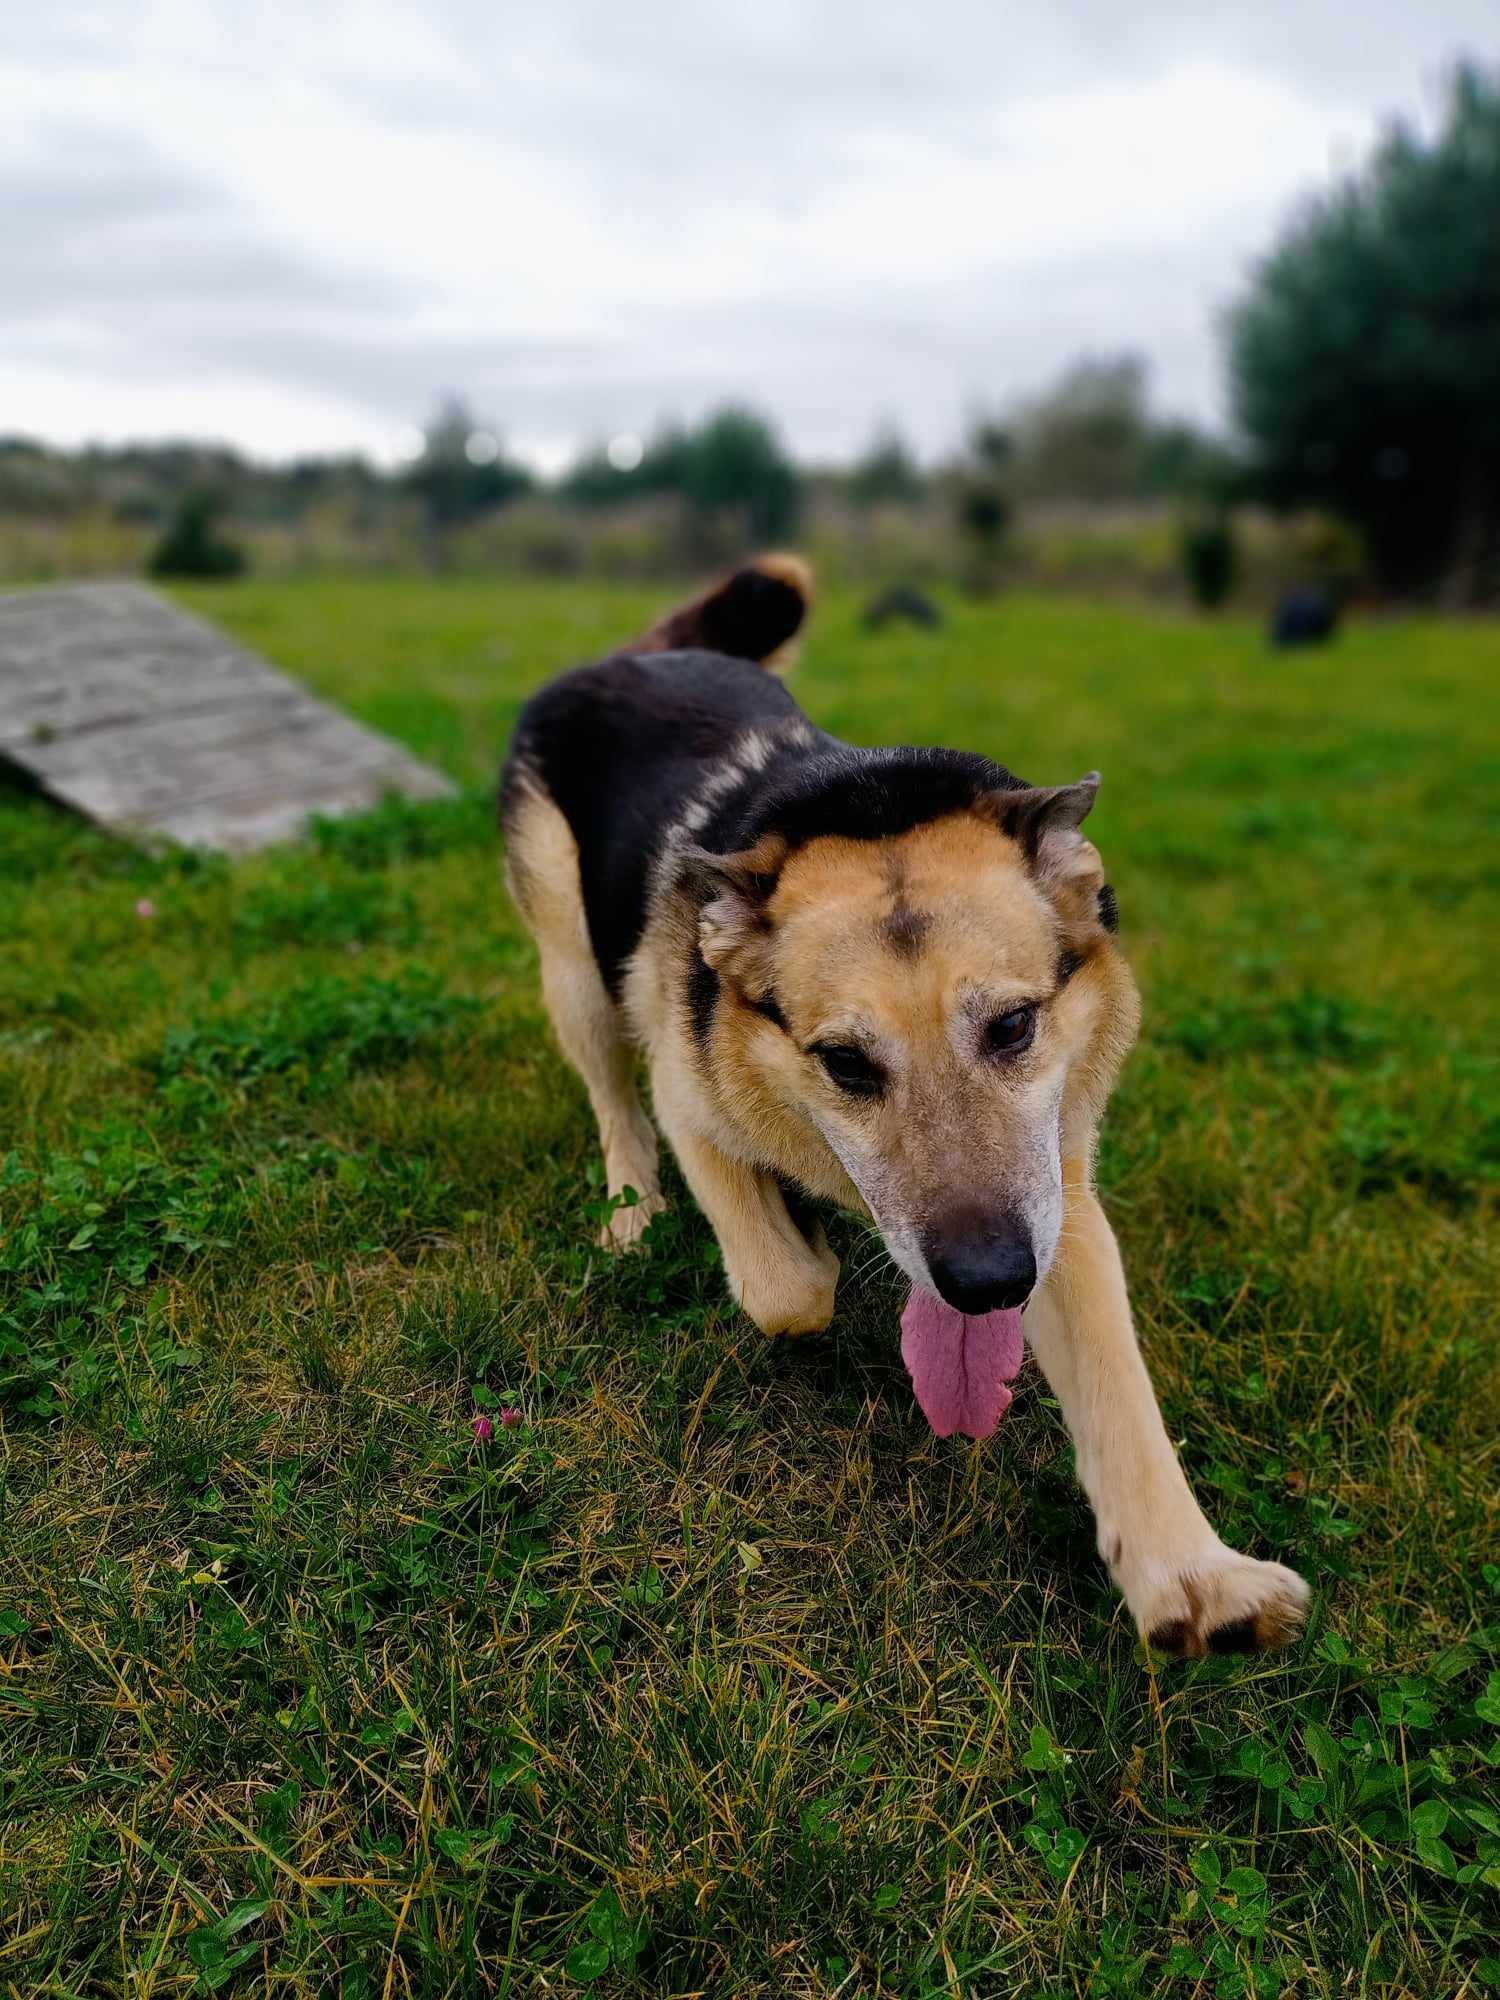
(190, 547)
(984, 515)
(1209, 561)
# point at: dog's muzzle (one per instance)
(980, 1261)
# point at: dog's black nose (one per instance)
(980, 1262)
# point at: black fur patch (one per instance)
(905, 930)
(1023, 828)
(766, 1005)
(1174, 1637)
(621, 748)
(702, 997)
(1238, 1637)
(856, 794)
(1109, 909)
(750, 617)
(1067, 964)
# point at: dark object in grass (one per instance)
(902, 604)
(1307, 616)
(191, 548)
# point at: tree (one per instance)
(1179, 461)
(887, 474)
(735, 463)
(595, 481)
(1365, 358)
(1084, 439)
(591, 481)
(461, 472)
(732, 465)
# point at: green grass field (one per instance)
(717, 1674)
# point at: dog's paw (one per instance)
(789, 1298)
(1217, 1602)
(626, 1226)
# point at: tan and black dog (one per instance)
(887, 978)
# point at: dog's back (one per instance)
(619, 748)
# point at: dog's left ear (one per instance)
(734, 889)
(1044, 821)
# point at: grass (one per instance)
(716, 1674)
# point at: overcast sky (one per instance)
(293, 226)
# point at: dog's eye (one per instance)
(1009, 1033)
(851, 1069)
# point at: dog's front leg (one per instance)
(1189, 1593)
(784, 1282)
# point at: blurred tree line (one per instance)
(1364, 364)
(733, 479)
(732, 464)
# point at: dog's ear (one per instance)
(1044, 821)
(1031, 812)
(734, 927)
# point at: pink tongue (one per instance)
(960, 1367)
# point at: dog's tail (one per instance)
(755, 614)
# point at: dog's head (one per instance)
(944, 1007)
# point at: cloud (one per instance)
(296, 227)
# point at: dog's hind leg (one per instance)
(542, 869)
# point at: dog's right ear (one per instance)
(733, 890)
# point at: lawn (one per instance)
(716, 1673)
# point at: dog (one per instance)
(888, 979)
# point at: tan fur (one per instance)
(907, 945)
(790, 569)
(993, 938)
(1181, 1582)
(542, 869)
(733, 1163)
